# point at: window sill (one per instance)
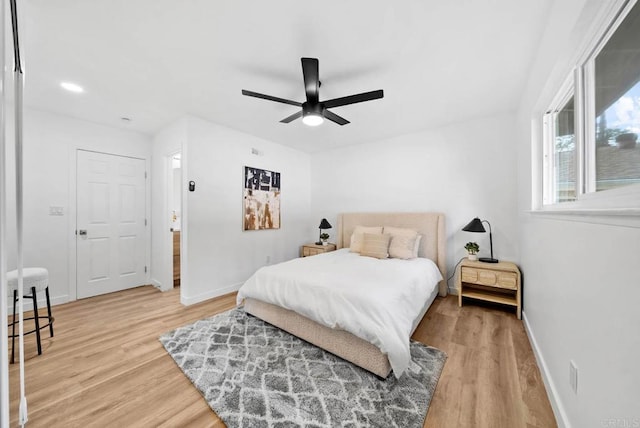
(624, 217)
(625, 212)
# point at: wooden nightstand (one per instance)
(313, 249)
(491, 282)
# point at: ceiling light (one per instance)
(72, 87)
(312, 119)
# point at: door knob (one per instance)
(82, 232)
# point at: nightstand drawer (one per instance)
(507, 280)
(489, 277)
(315, 249)
(469, 275)
(308, 251)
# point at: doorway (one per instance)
(175, 208)
(111, 223)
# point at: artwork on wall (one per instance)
(261, 199)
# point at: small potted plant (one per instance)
(472, 248)
(324, 237)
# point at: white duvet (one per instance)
(376, 300)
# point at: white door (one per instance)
(111, 236)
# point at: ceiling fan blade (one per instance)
(292, 117)
(335, 118)
(311, 79)
(352, 99)
(270, 98)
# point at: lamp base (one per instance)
(319, 243)
(488, 260)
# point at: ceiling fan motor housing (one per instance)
(316, 109)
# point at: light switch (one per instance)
(56, 211)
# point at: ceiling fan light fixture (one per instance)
(312, 119)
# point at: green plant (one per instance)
(324, 236)
(472, 247)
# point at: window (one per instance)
(592, 126)
(561, 155)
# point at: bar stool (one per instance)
(34, 279)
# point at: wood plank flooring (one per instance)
(105, 366)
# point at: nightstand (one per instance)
(313, 249)
(491, 282)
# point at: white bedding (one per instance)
(376, 300)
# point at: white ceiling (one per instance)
(439, 62)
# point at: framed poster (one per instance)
(261, 199)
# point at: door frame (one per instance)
(167, 283)
(73, 214)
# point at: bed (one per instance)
(358, 347)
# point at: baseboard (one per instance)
(156, 284)
(552, 393)
(209, 295)
(453, 290)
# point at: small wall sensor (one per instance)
(192, 186)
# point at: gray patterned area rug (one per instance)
(253, 374)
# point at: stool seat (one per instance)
(32, 277)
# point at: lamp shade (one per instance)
(324, 224)
(474, 225)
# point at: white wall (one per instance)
(166, 142)
(220, 256)
(463, 170)
(580, 274)
(50, 143)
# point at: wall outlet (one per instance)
(573, 376)
(268, 261)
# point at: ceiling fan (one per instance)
(313, 110)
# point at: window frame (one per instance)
(580, 83)
(549, 120)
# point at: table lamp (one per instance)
(475, 225)
(324, 224)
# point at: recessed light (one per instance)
(72, 87)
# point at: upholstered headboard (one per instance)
(429, 225)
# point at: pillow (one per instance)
(357, 237)
(403, 242)
(375, 245)
(416, 248)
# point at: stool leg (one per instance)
(13, 327)
(46, 290)
(35, 318)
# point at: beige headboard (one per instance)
(429, 225)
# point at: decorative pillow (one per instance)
(358, 236)
(375, 245)
(403, 242)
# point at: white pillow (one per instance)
(357, 238)
(403, 242)
(416, 248)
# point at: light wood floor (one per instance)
(106, 367)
